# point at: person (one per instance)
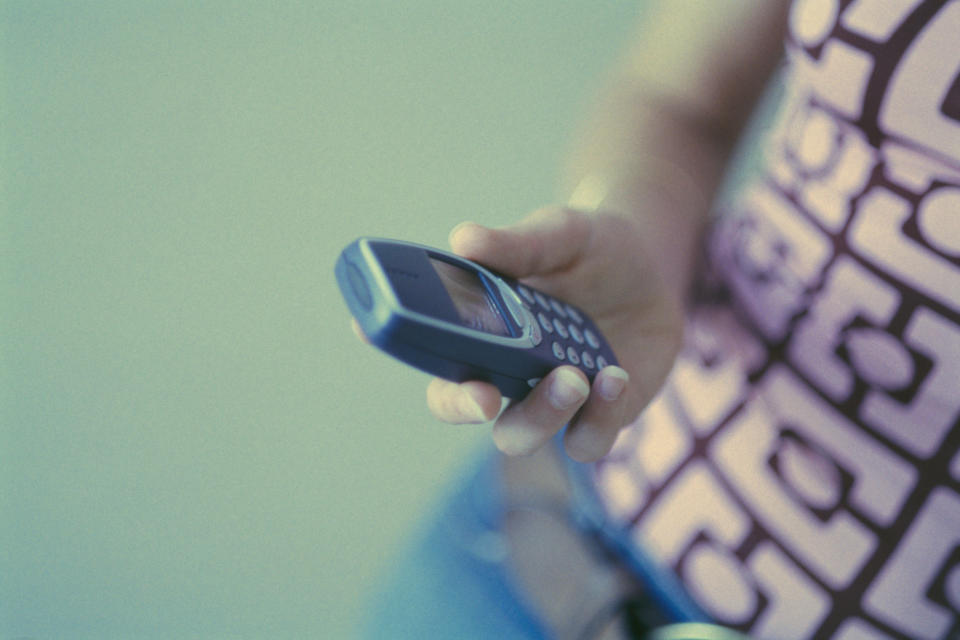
(779, 451)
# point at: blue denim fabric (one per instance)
(451, 582)
(661, 584)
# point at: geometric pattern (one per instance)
(800, 469)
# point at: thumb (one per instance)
(546, 241)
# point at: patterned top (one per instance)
(800, 470)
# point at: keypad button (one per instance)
(573, 356)
(558, 308)
(558, 351)
(534, 382)
(545, 322)
(573, 313)
(575, 333)
(601, 361)
(592, 339)
(587, 359)
(562, 330)
(526, 294)
(542, 299)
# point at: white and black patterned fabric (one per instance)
(800, 471)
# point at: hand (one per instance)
(598, 262)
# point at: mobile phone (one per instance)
(456, 319)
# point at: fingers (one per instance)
(468, 402)
(548, 240)
(462, 403)
(593, 434)
(525, 426)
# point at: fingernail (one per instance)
(613, 380)
(567, 390)
(470, 409)
(457, 229)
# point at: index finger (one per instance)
(463, 402)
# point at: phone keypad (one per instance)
(558, 351)
(542, 299)
(575, 334)
(561, 328)
(592, 339)
(526, 295)
(545, 322)
(558, 309)
(587, 360)
(573, 342)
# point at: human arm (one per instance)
(642, 176)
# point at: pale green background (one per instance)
(192, 444)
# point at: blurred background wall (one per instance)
(192, 443)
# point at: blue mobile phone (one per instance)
(458, 320)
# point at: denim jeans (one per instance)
(452, 581)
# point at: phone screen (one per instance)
(474, 305)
